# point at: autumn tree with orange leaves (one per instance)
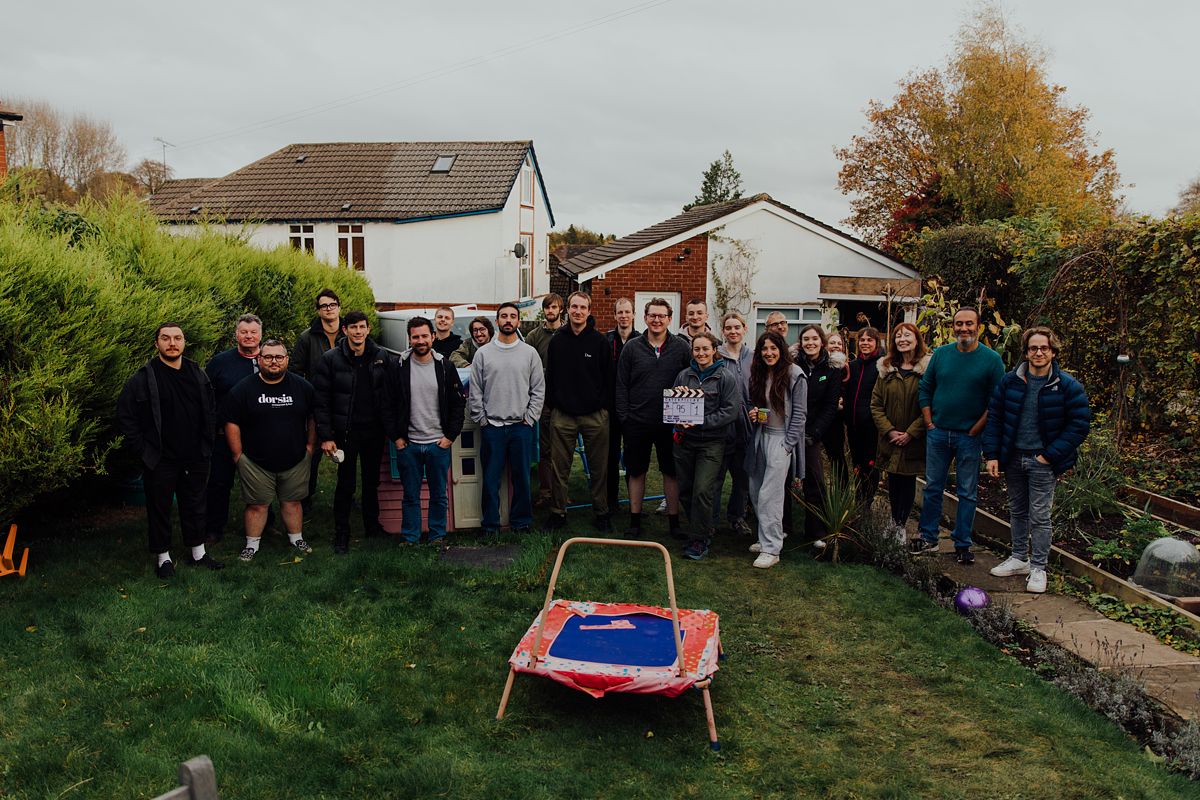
(990, 135)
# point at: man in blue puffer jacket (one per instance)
(1036, 420)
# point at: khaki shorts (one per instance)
(259, 486)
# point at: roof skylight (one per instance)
(443, 163)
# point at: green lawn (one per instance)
(378, 674)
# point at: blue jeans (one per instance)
(419, 462)
(1030, 497)
(514, 444)
(942, 447)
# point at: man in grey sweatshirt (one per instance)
(505, 397)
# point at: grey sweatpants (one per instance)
(767, 478)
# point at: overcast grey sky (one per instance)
(627, 102)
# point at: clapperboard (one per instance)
(684, 406)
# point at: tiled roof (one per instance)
(697, 217)
(380, 180)
(8, 114)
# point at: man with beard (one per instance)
(954, 395)
(539, 339)
(506, 398)
(322, 336)
(349, 382)
(167, 413)
(445, 342)
(649, 364)
(423, 414)
(272, 436)
(226, 370)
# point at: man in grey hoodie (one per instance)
(506, 393)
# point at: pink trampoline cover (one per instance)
(620, 647)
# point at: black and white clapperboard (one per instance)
(684, 406)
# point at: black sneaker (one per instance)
(633, 532)
(920, 546)
(165, 570)
(679, 534)
(964, 555)
(341, 543)
(206, 561)
(604, 524)
(555, 522)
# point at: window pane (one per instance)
(295, 242)
(343, 228)
(356, 228)
(359, 254)
(468, 466)
(294, 229)
(308, 228)
(309, 246)
(344, 251)
(466, 440)
(812, 314)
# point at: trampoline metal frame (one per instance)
(702, 684)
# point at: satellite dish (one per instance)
(519, 250)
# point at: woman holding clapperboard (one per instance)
(700, 447)
(777, 405)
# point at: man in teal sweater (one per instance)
(954, 395)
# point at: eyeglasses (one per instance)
(327, 306)
(780, 324)
(658, 316)
(268, 359)
(1038, 349)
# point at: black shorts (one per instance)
(639, 438)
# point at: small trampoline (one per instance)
(620, 647)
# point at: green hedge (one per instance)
(81, 293)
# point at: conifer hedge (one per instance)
(81, 292)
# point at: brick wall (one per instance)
(659, 272)
(388, 306)
(3, 153)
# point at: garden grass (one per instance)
(378, 674)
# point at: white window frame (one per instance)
(525, 288)
(794, 325)
(527, 183)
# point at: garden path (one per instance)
(1172, 678)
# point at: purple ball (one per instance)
(970, 600)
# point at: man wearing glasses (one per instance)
(314, 342)
(778, 322)
(269, 427)
(1036, 421)
(226, 370)
(649, 364)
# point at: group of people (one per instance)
(770, 415)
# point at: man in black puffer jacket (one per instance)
(1037, 418)
(349, 380)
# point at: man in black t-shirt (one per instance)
(167, 413)
(269, 426)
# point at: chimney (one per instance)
(5, 116)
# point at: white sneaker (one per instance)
(1036, 582)
(819, 544)
(247, 554)
(662, 507)
(756, 547)
(765, 561)
(1015, 566)
(302, 546)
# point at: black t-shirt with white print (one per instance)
(273, 418)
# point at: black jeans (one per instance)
(835, 449)
(164, 483)
(864, 443)
(363, 446)
(902, 491)
(614, 462)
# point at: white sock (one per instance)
(252, 544)
(295, 537)
(197, 552)
(163, 558)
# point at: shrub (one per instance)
(81, 293)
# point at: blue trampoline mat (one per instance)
(607, 639)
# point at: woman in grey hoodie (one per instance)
(700, 448)
(777, 403)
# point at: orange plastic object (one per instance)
(6, 561)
